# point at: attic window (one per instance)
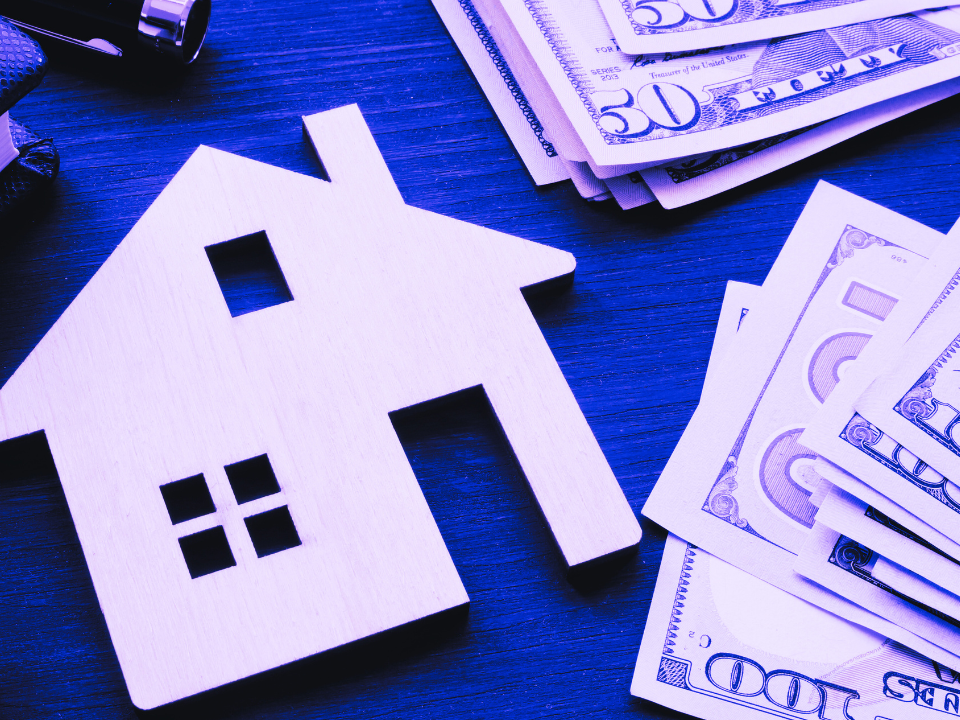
(248, 273)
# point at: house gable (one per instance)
(356, 162)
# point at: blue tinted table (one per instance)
(632, 337)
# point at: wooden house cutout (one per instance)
(239, 491)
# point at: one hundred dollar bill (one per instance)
(739, 482)
(738, 298)
(719, 643)
(880, 585)
(918, 400)
(626, 109)
(659, 26)
(877, 461)
(870, 497)
(873, 528)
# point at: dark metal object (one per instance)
(96, 44)
(173, 28)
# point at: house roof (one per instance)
(239, 192)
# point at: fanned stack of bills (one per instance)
(677, 100)
(816, 466)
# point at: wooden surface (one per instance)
(631, 336)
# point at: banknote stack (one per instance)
(813, 566)
(677, 100)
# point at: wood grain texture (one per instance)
(631, 336)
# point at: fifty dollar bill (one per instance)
(652, 26)
(624, 109)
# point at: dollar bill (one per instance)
(630, 191)
(917, 590)
(857, 572)
(720, 643)
(688, 180)
(864, 450)
(738, 298)
(868, 496)
(525, 70)
(587, 184)
(853, 518)
(659, 26)
(516, 97)
(739, 482)
(776, 378)
(502, 90)
(517, 113)
(917, 399)
(649, 109)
